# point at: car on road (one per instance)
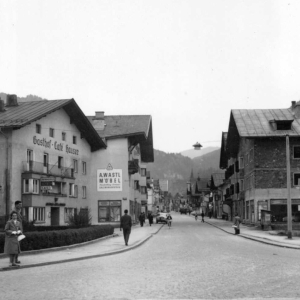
(161, 218)
(295, 217)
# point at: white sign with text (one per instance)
(109, 180)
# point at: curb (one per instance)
(81, 258)
(259, 240)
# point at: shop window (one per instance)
(68, 213)
(84, 167)
(31, 186)
(39, 214)
(84, 192)
(296, 151)
(74, 139)
(109, 211)
(38, 128)
(51, 132)
(63, 136)
(296, 179)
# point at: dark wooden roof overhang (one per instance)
(233, 139)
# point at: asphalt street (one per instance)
(192, 260)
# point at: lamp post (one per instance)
(288, 182)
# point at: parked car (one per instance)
(183, 211)
(161, 218)
(295, 217)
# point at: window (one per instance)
(109, 211)
(75, 165)
(74, 139)
(296, 151)
(39, 214)
(143, 172)
(242, 184)
(29, 155)
(31, 186)
(68, 212)
(84, 192)
(63, 136)
(284, 125)
(46, 159)
(38, 128)
(83, 167)
(296, 179)
(60, 162)
(71, 189)
(241, 162)
(136, 184)
(51, 132)
(143, 190)
(76, 191)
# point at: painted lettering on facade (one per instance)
(55, 145)
(109, 180)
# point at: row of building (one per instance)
(253, 155)
(58, 161)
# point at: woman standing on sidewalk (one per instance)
(12, 246)
(236, 225)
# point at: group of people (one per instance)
(13, 231)
(142, 218)
(202, 216)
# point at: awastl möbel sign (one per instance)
(109, 179)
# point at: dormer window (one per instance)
(281, 124)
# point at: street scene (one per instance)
(149, 149)
(192, 260)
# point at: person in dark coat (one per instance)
(12, 246)
(142, 219)
(236, 224)
(126, 224)
(150, 218)
(18, 210)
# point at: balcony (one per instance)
(133, 166)
(41, 168)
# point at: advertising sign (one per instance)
(163, 183)
(109, 179)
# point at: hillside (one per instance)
(177, 168)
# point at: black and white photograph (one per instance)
(149, 149)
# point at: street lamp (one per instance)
(288, 182)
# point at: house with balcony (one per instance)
(121, 168)
(46, 150)
(255, 158)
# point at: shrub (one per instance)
(57, 238)
(81, 219)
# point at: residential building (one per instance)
(121, 168)
(46, 152)
(254, 155)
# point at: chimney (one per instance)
(11, 100)
(98, 120)
(2, 109)
(296, 110)
(293, 104)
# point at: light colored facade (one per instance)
(129, 149)
(46, 159)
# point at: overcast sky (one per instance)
(187, 63)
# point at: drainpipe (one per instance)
(6, 176)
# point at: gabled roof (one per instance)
(257, 122)
(137, 128)
(199, 185)
(27, 112)
(217, 179)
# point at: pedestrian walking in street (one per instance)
(196, 216)
(126, 224)
(150, 218)
(18, 209)
(142, 219)
(11, 245)
(202, 215)
(169, 220)
(236, 224)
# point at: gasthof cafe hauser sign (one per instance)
(109, 179)
(55, 145)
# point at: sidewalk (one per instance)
(102, 247)
(256, 234)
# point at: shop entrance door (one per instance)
(54, 216)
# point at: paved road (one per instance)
(192, 260)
